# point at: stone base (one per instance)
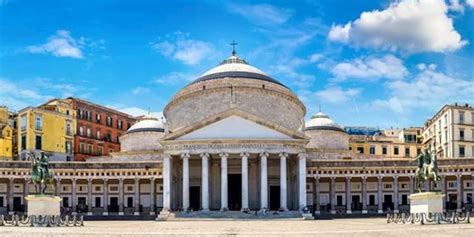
(89, 213)
(349, 212)
(43, 205)
(152, 213)
(308, 216)
(380, 211)
(317, 212)
(364, 212)
(105, 213)
(333, 212)
(163, 216)
(121, 213)
(426, 202)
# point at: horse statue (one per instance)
(427, 169)
(41, 176)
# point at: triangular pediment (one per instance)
(234, 124)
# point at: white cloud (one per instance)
(175, 78)
(263, 14)
(60, 44)
(315, 57)
(455, 5)
(470, 3)
(410, 26)
(340, 33)
(16, 97)
(337, 95)
(429, 89)
(140, 90)
(388, 66)
(135, 111)
(181, 48)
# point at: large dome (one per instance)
(235, 84)
(147, 124)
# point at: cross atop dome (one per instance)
(233, 43)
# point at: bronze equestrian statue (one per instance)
(41, 176)
(427, 169)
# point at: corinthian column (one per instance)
(224, 187)
(205, 181)
(283, 188)
(245, 180)
(167, 183)
(302, 180)
(263, 181)
(185, 157)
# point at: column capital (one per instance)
(333, 178)
(166, 156)
(204, 155)
(395, 178)
(283, 155)
(263, 154)
(364, 178)
(105, 180)
(380, 177)
(348, 178)
(316, 178)
(244, 154)
(223, 154)
(185, 155)
(302, 155)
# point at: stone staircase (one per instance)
(236, 215)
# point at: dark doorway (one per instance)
(195, 198)
(356, 205)
(113, 207)
(234, 191)
(452, 202)
(274, 197)
(387, 202)
(81, 204)
(17, 204)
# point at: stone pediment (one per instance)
(234, 124)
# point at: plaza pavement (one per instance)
(227, 227)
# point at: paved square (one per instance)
(284, 227)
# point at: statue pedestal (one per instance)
(426, 202)
(43, 205)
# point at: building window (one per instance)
(68, 129)
(98, 134)
(461, 117)
(23, 142)
(99, 151)
(97, 202)
(339, 200)
(129, 201)
(109, 121)
(2, 202)
(65, 201)
(404, 199)
(108, 137)
(129, 125)
(97, 117)
(38, 142)
(395, 150)
(372, 200)
(89, 149)
(82, 148)
(461, 151)
(418, 151)
(81, 131)
(469, 198)
(384, 150)
(38, 122)
(372, 150)
(119, 124)
(68, 147)
(360, 150)
(461, 134)
(407, 151)
(89, 134)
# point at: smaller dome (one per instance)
(321, 121)
(147, 124)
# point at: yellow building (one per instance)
(6, 135)
(49, 128)
(390, 143)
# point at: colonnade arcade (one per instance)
(234, 181)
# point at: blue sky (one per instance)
(367, 63)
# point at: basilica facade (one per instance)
(235, 139)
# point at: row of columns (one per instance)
(245, 180)
(348, 193)
(90, 200)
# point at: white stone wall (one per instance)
(141, 141)
(328, 139)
